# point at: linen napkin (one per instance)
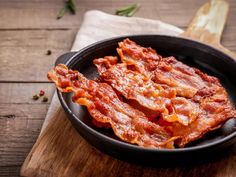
(58, 143)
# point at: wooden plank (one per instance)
(23, 53)
(21, 119)
(229, 36)
(21, 93)
(30, 46)
(42, 14)
(12, 171)
(19, 127)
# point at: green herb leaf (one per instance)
(132, 12)
(126, 8)
(127, 11)
(61, 13)
(69, 6)
(45, 99)
(35, 97)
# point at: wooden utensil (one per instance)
(208, 24)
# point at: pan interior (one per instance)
(189, 52)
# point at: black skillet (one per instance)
(196, 54)
(206, 26)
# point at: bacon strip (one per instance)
(185, 79)
(206, 91)
(215, 110)
(187, 102)
(104, 105)
(136, 86)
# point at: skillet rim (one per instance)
(70, 62)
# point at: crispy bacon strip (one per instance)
(135, 86)
(143, 77)
(215, 110)
(185, 79)
(104, 105)
(144, 60)
(206, 91)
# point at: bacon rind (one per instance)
(103, 104)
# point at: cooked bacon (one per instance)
(185, 79)
(142, 59)
(167, 102)
(205, 91)
(216, 109)
(104, 105)
(135, 86)
(105, 63)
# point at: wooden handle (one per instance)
(208, 24)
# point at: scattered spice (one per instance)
(35, 97)
(69, 6)
(41, 93)
(61, 13)
(45, 99)
(128, 11)
(49, 52)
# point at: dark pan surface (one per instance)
(195, 54)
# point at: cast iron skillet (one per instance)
(204, 57)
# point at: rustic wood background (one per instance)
(28, 28)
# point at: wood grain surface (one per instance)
(28, 28)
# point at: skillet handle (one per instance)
(64, 58)
(208, 24)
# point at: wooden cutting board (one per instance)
(208, 24)
(60, 151)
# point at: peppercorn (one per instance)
(35, 97)
(45, 99)
(41, 93)
(49, 52)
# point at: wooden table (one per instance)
(28, 28)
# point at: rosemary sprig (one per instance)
(69, 6)
(128, 11)
(61, 13)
